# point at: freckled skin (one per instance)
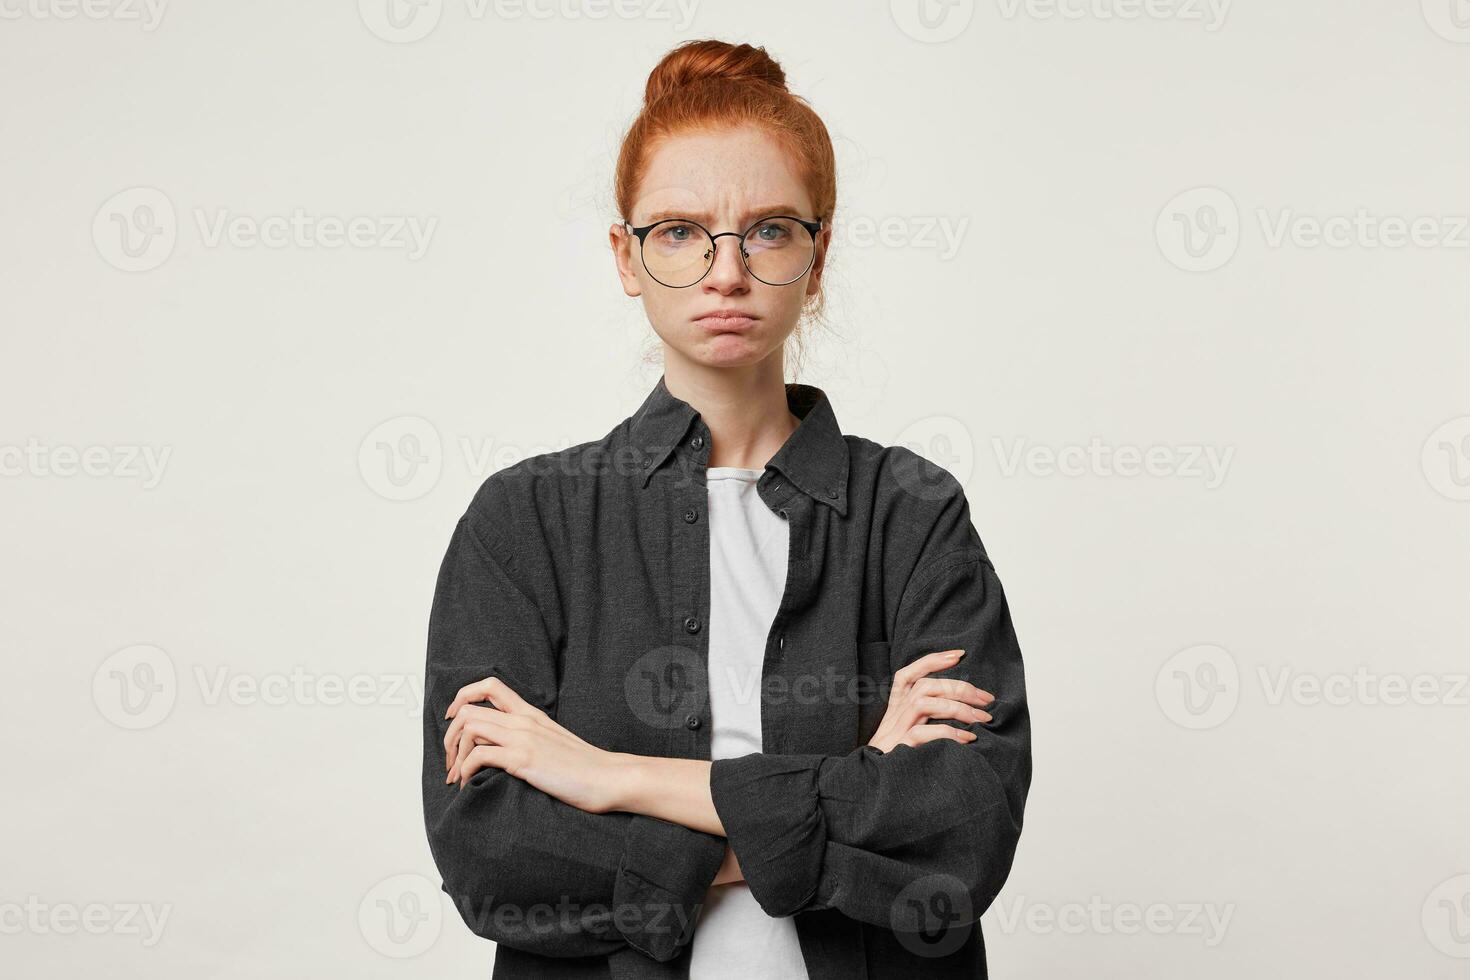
(723, 174)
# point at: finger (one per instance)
(462, 749)
(955, 689)
(927, 664)
(475, 734)
(507, 700)
(456, 725)
(467, 713)
(920, 734)
(497, 692)
(931, 707)
(483, 757)
(478, 691)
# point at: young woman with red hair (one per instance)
(727, 692)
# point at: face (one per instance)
(726, 181)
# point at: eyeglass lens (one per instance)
(777, 251)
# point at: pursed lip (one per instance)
(726, 320)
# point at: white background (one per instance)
(1132, 266)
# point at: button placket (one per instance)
(688, 501)
(684, 497)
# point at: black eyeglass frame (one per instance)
(812, 227)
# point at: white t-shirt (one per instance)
(734, 939)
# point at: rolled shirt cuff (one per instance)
(665, 873)
(772, 815)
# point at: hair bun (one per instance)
(696, 61)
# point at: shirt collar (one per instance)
(813, 458)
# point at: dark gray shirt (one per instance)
(581, 578)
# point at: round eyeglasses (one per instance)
(679, 252)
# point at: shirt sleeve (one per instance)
(522, 867)
(886, 838)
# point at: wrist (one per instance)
(624, 775)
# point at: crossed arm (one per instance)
(523, 815)
(519, 738)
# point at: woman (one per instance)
(712, 696)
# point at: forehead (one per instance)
(726, 175)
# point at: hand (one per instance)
(916, 697)
(521, 739)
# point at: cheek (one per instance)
(664, 314)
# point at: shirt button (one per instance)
(832, 494)
(781, 642)
(691, 624)
(782, 512)
(691, 515)
(691, 722)
(697, 442)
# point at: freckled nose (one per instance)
(729, 267)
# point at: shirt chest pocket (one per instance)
(832, 702)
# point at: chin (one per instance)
(731, 350)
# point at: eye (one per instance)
(675, 232)
(775, 232)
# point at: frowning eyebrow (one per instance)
(704, 218)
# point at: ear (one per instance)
(624, 246)
(824, 241)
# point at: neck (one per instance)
(744, 407)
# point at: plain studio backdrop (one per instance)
(1178, 290)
